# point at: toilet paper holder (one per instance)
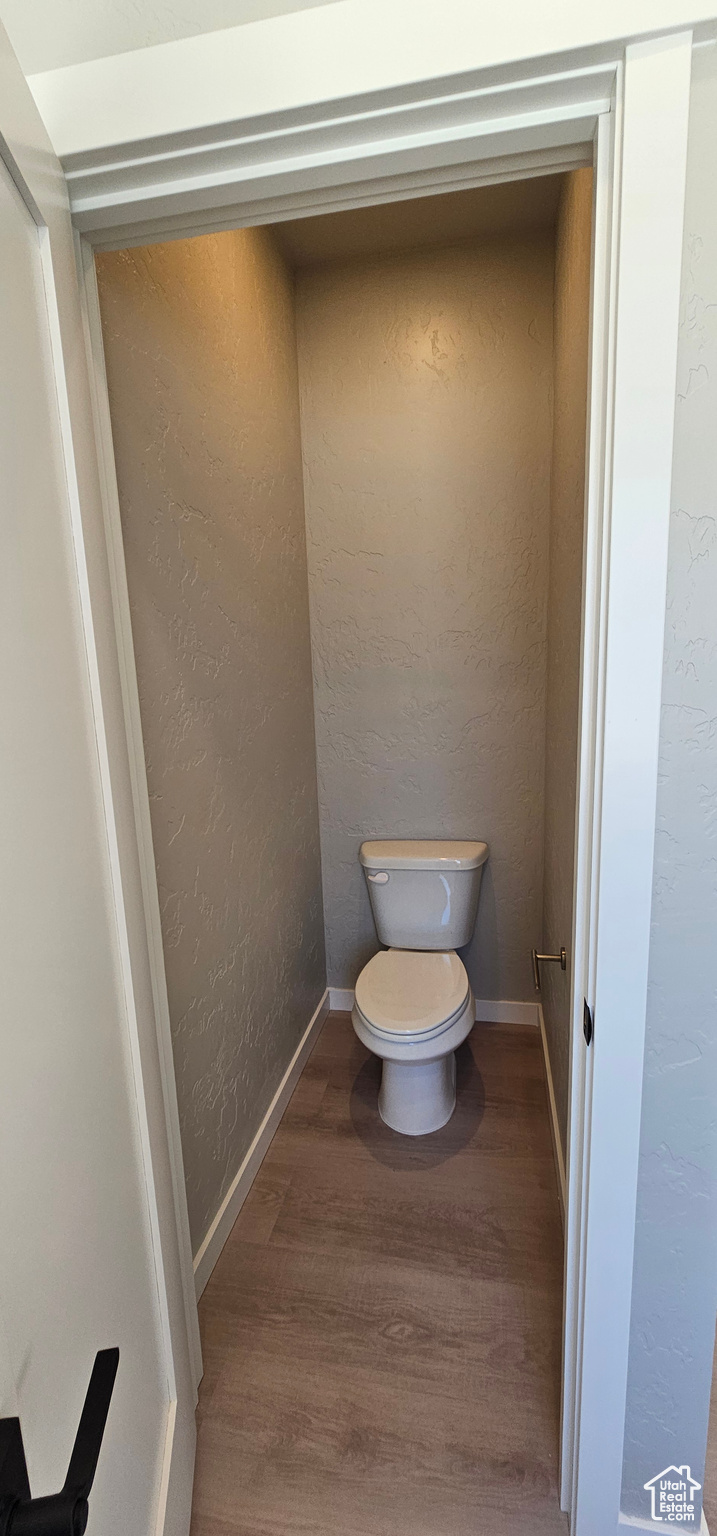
(560, 959)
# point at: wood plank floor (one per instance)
(381, 1334)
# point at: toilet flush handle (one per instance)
(561, 960)
(380, 879)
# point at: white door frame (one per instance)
(634, 367)
(629, 116)
(28, 156)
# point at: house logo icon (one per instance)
(673, 1495)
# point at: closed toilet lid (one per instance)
(408, 991)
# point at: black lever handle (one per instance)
(64, 1513)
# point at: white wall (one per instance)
(426, 382)
(321, 55)
(49, 34)
(77, 1256)
(201, 363)
(675, 1266)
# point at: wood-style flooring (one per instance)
(381, 1334)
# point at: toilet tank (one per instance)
(424, 895)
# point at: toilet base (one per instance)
(418, 1097)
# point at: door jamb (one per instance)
(586, 864)
(662, 66)
(132, 727)
(639, 346)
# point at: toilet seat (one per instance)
(411, 995)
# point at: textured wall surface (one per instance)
(675, 1273)
(201, 360)
(426, 420)
(567, 495)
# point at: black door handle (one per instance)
(64, 1513)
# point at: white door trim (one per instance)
(341, 155)
(142, 895)
(632, 400)
(586, 865)
(640, 308)
(37, 174)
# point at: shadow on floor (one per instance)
(412, 1152)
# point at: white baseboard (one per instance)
(211, 1247)
(554, 1122)
(341, 999)
(488, 1011)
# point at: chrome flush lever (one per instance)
(561, 960)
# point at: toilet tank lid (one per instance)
(397, 854)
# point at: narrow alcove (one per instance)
(350, 457)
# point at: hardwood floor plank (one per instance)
(479, 1239)
(477, 1124)
(447, 1336)
(258, 1215)
(349, 1448)
(382, 1331)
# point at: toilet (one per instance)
(413, 1002)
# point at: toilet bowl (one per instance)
(413, 1009)
(413, 1002)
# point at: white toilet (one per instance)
(413, 1003)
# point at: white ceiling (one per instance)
(47, 34)
(513, 207)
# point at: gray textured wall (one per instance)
(201, 360)
(675, 1274)
(567, 496)
(426, 422)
